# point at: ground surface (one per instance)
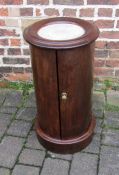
(21, 153)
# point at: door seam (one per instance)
(58, 93)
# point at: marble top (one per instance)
(61, 31)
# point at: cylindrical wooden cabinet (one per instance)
(62, 61)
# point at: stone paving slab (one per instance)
(60, 156)
(19, 128)
(5, 120)
(32, 141)
(98, 127)
(55, 166)
(111, 119)
(3, 94)
(26, 114)
(84, 164)
(110, 137)
(98, 113)
(8, 110)
(4, 171)
(25, 170)
(32, 157)
(26, 156)
(113, 97)
(13, 98)
(94, 146)
(109, 161)
(98, 100)
(10, 148)
(29, 102)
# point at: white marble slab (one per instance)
(61, 31)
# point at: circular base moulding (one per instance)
(65, 146)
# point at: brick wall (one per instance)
(17, 14)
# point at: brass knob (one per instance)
(64, 95)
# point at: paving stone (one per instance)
(10, 147)
(98, 100)
(60, 156)
(32, 157)
(98, 113)
(13, 98)
(19, 128)
(55, 166)
(98, 127)
(4, 171)
(109, 161)
(2, 98)
(7, 116)
(94, 146)
(26, 114)
(25, 170)
(8, 110)
(3, 94)
(4, 122)
(113, 97)
(112, 119)
(32, 141)
(110, 137)
(31, 101)
(84, 164)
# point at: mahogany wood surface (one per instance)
(63, 125)
(75, 78)
(45, 79)
(32, 37)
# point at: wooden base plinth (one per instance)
(65, 146)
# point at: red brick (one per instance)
(9, 60)
(99, 62)
(101, 53)
(114, 53)
(105, 12)
(104, 71)
(100, 44)
(69, 2)
(69, 12)
(117, 73)
(2, 22)
(15, 42)
(105, 2)
(11, 2)
(26, 51)
(105, 23)
(5, 32)
(5, 69)
(38, 12)
(26, 11)
(89, 12)
(3, 12)
(4, 42)
(14, 51)
(112, 63)
(28, 69)
(18, 69)
(117, 24)
(113, 45)
(41, 2)
(109, 34)
(51, 12)
(117, 13)
(1, 51)
(18, 77)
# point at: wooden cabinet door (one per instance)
(46, 88)
(75, 79)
